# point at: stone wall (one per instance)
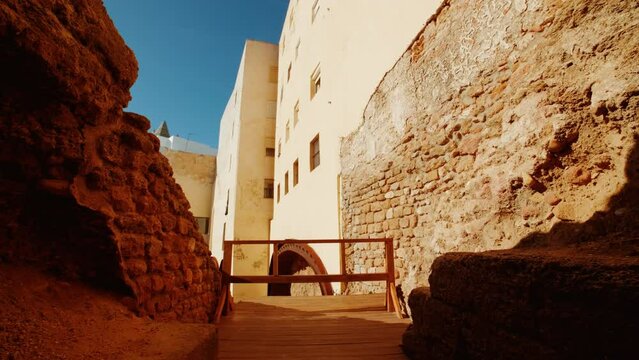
(503, 119)
(84, 190)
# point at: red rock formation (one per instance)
(83, 187)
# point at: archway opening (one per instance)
(297, 259)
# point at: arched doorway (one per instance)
(292, 259)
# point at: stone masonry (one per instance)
(504, 118)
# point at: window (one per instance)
(278, 193)
(297, 49)
(316, 81)
(291, 20)
(296, 172)
(315, 152)
(279, 148)
(296, 113)
(228, 193)
(223, 234)
(202, 224)
(272, 75)
(268, 188)
(288, 130)
(271, 109)
(270, 152)
(286, 183)
(290, 67)
(315, 10)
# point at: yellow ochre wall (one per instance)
(195, 173)
(246, 130)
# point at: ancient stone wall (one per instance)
(503, 119)
(84, 190)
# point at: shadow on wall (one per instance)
(570, 293)
(41, 223)
(619, 225)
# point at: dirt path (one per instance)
(42, 317)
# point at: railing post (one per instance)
(228, 257)
(391, 291)
(225, 302)
(226, 271)
(276, 261)
(389, 276)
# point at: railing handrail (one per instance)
(226, 302)
(313, 241)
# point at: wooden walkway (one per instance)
(322, 327)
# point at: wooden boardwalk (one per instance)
(322, 327)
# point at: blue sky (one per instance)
(188, 53)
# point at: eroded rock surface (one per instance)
(83, 188)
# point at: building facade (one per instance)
(194, 170)
(333, 54)
(244, 192)
(195, 173)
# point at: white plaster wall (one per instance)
(355, 43)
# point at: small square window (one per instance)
(296, 113)
(296, 172)
(316, 81)
(288, 77)
(268, 188)
(286, 183)
(291, 19)
(203, 224)
(315, 153)
(315, 10)
(270, 152)
(278, 193)
(272, 75)
(288, 130)
(279, 148)
(271, 109)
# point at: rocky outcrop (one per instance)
(84, 190)
(507, 124)
(569, 303)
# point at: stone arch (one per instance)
(293, 258)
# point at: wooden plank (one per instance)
(226, 269)
(335, 327)
(289, 279)
(293, 241)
